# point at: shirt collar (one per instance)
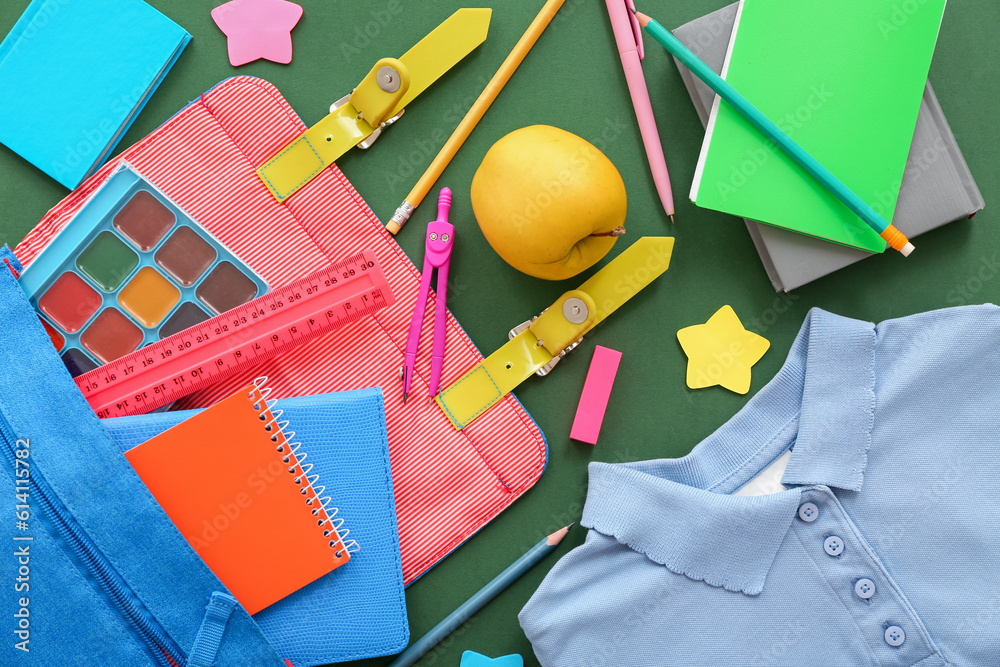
(679, 512)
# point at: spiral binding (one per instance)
(308, 483)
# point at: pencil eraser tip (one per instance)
(393, 227)
(907, 249)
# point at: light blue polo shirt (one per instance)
(883, 550)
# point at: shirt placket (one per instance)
(881, 612)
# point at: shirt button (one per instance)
(833, 545)
(894, 635)
(864, 588)
(808, 512)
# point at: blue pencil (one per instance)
(477, 601)
(886, 230)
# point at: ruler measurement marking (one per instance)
(233, 342)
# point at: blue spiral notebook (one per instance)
(74, 74)
(359, 610)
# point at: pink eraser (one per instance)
(596, 392)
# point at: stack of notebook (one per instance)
(936, 185)
(355, 611)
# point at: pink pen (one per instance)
(437, 255)
(628, 37)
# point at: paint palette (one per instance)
(129, 269)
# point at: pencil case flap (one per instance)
(448, 483)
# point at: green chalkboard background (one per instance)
(573, 80)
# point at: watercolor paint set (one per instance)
(130, 269)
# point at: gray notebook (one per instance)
(937, 186)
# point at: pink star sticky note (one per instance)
(258, 29)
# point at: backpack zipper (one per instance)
(163, 650)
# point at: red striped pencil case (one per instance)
(448, 483)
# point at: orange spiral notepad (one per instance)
(230, 481)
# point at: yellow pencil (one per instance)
(468, 123)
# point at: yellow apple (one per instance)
(549, 203)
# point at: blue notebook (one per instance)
(74, 74)
(358, 610)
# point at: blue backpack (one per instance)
(98, 573)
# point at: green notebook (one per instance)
(844, 79)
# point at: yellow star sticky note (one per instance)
(721, 352)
